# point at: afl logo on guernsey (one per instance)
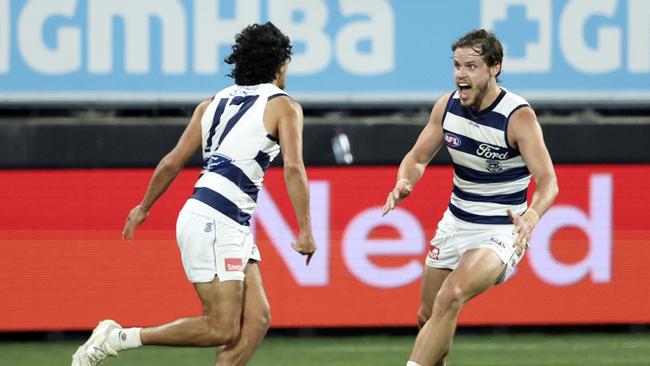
(452, 140)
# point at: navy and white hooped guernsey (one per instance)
(237, 150)
(490, 176)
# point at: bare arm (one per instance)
(290, 124)
(415, 161)
(525, 134)
(166, 171)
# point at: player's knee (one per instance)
(449, 299)
(262, 317)
(259, 323)
(223, 336)
(220, 333)
(424, 313)
(264, 321)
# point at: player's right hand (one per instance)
(403, 188)
(305, 245)
(136, 216)
(523, 226)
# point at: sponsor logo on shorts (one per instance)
(497, 242)
(234, 265)
(434, 253)
(208, 227)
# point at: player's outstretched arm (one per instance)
(166, 171)
(525, 134)
(412, 166)
(290, 124)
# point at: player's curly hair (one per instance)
(258, 53)
(485, 44)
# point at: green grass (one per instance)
(469, 350)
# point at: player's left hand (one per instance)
(523, 228)
(137, 215)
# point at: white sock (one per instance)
(411, 363)
(123, 339)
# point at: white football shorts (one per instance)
(454, 237)
(212, 248)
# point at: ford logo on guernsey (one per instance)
(452, 140)
(491, 152)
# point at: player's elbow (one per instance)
(416, 161)
(170, 165)
(293, 168)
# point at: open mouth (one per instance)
(464, 90)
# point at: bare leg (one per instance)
(432, 281)
(477, 271)
(219, 324)
(255, 321)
